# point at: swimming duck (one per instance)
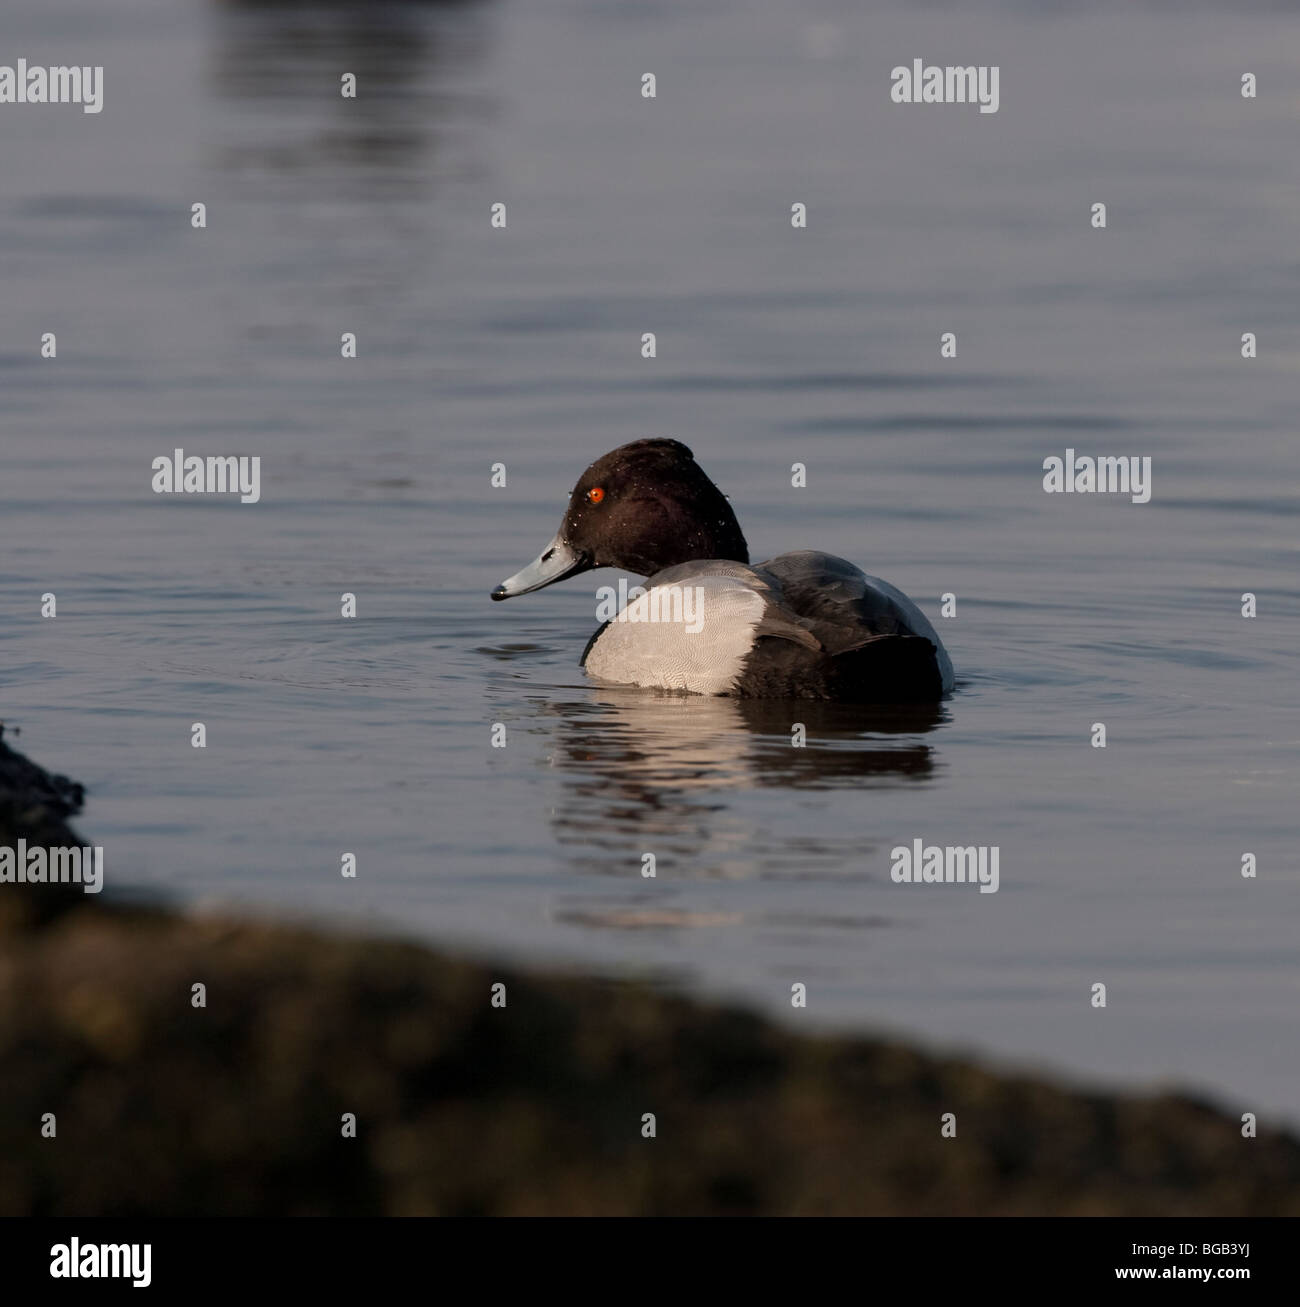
(804, 625)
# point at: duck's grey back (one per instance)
(842, 604)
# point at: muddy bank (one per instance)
(537, 1107)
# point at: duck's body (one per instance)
(803, 625)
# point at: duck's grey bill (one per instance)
(556, 562)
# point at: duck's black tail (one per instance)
(888, 669)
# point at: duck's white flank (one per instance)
(702, 653)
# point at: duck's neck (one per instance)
(709, 530)
(722, 538)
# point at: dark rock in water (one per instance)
(237, 1108)
(33, 802)
(35, 805)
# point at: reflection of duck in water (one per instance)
(804, 625)
(670, 773)
(661, 749)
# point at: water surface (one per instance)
(820, 346)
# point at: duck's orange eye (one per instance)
(595, 494)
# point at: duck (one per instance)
(802, 625)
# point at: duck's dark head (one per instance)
(642, 507)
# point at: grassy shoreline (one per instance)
(236, 1108)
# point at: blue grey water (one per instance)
(775, 345)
